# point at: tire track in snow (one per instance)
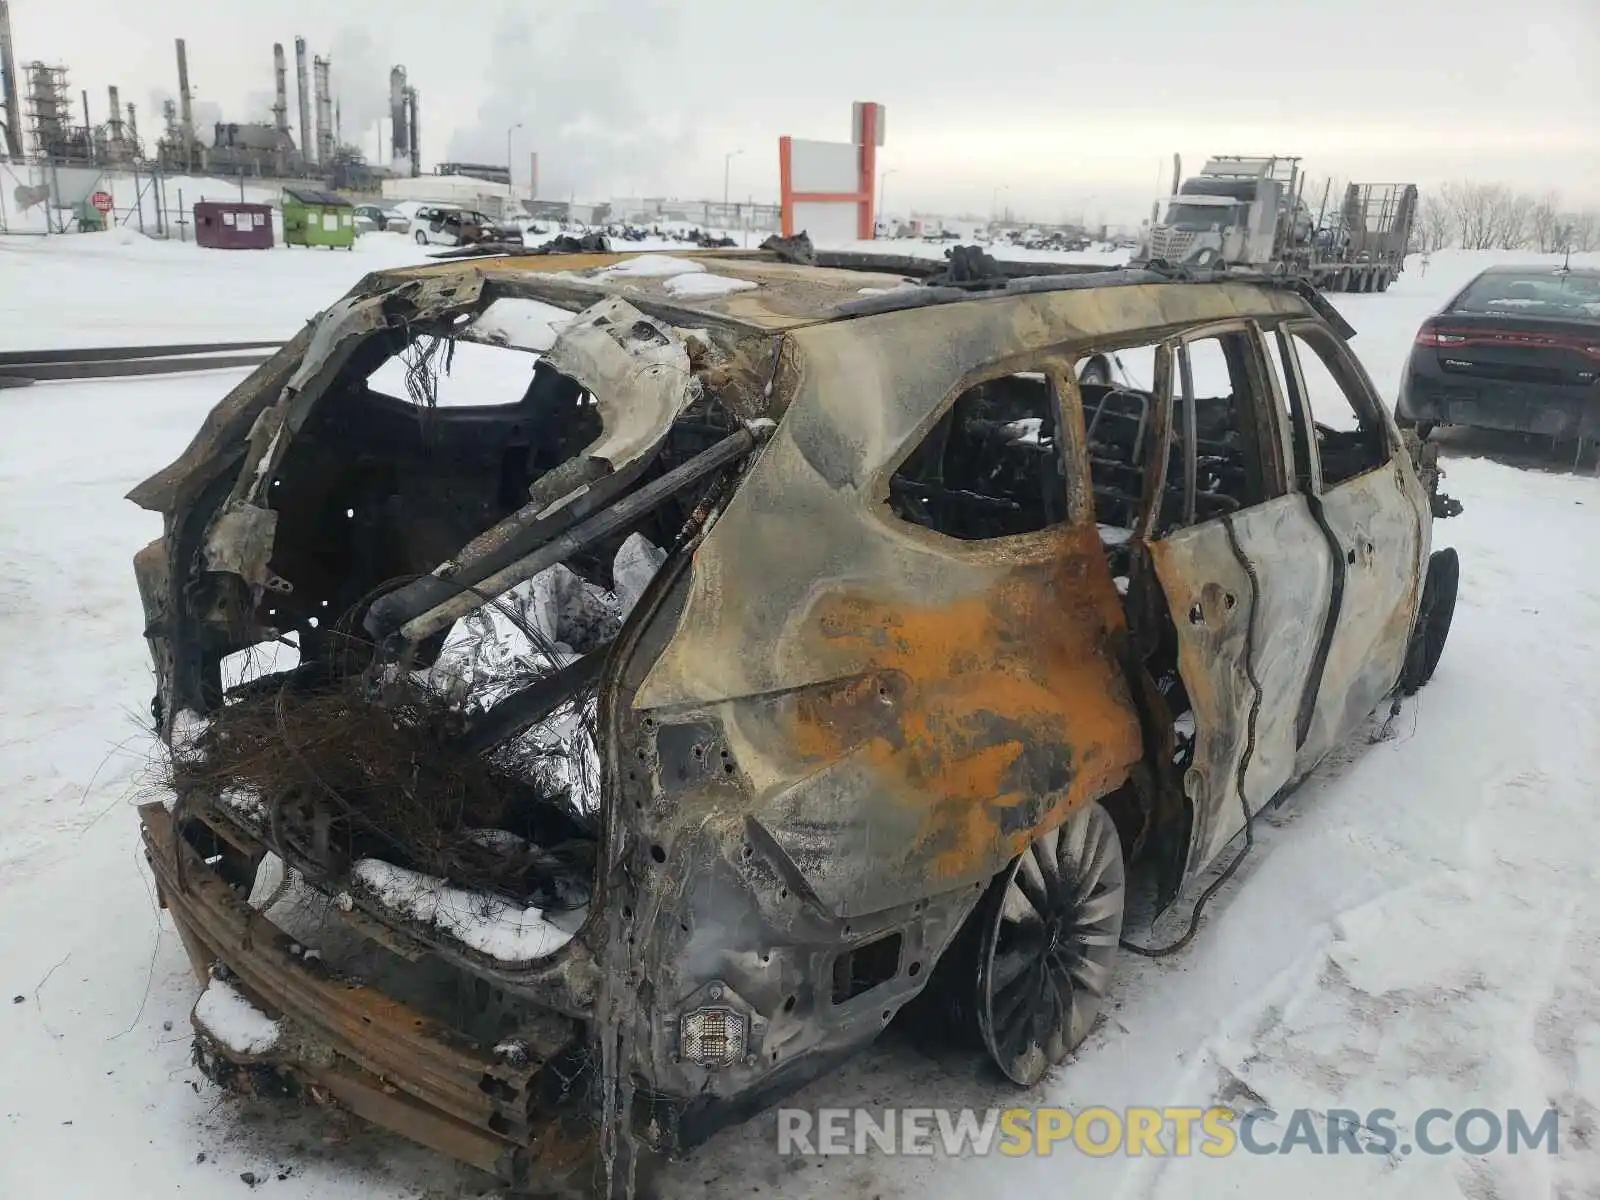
(1453, 981)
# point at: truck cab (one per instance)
(1237, 212)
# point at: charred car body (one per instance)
(443, 225)
(857, 645)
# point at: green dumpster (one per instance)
(313, 217)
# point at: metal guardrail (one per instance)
(20, 368)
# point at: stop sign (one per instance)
(101, 201)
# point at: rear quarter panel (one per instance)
(909, 709)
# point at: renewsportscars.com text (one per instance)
(1212, 1132)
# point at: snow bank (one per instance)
(491, 925)
(706, 285)
(234, 1021)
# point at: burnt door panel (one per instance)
(1376, 521)
(1376, 525)
(1249, 596)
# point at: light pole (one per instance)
(883, 180)
(727, 167)
(510, 174)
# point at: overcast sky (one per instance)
(1056, 110)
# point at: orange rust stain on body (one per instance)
(998, 714)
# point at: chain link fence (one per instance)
(40, 199)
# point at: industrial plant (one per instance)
(42, 120)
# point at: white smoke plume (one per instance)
(258, 107)
(206, 114)
(580, 81)
(359, 76)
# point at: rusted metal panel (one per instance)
(385, 1061)
(1380, 526)
(908, 708)
(363, 1025)
(1210, 594)
(960, 727)
(370, 1099)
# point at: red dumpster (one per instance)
(228, 225)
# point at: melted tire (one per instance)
(1438, 610)
(1049, 929)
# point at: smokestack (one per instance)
(114, 121)
(185, 107)
(399, 139)
(414, 144)
(324, 106)
(133, 130)
(280, 77)
(304, 90)
(10, 106)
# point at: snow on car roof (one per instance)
(753, 289)
(766, 294)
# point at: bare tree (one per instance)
(1583, 230)
(1510, 218)
(1433, 224)
(1545, 224)
(1488, 216)
(1492, 216)
(1469, 207)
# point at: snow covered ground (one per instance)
(1416, 928)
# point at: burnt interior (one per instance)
(989, 467)
(378, 488)
(349, 760)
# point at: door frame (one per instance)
(1262, 421)
(1359, 392)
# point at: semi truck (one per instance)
(1252, 214)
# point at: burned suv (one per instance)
(760, 646)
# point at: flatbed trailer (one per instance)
(1361, 245)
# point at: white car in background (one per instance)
(448, 225)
